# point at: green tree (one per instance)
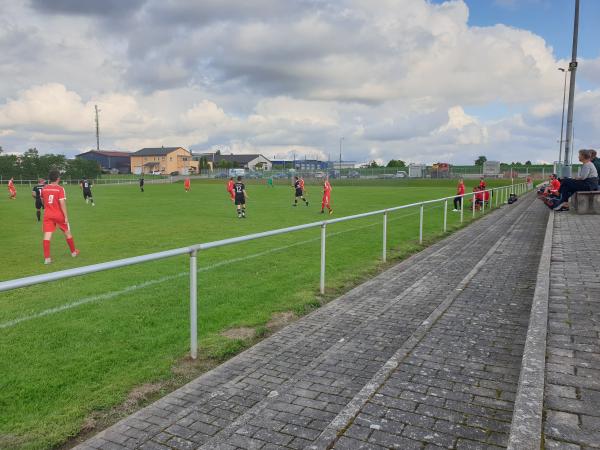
(373, 165)
(78, 168)
(527, 163)
(396, 163)
(480, 160)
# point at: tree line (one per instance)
(31, 166)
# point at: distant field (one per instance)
(77, 347)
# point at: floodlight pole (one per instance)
(562, 117)
(566, 171)
(341, 139)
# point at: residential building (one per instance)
(163, 160)
(109, 160)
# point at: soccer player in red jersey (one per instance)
(12, 190)
(482, 184)
(326, 197)
(460, 191)
(186, 185)
(55, 215)
(230, 184)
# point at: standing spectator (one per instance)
(12, 190)
(595, 160)
(142, 183)
(529, 182)
(482, 185)
(587, 181)
(460, 191)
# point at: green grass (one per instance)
(58, 369)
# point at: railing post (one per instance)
(496, 195)
(384, 255)
(473, 205)
(483, 203)
(193, 305)
(462, 208)
(445, 215)
(421, 226)
(323, 238)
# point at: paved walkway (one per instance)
(572, 390)
(426, 354)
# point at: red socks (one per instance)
(71, 244)
(46, 248)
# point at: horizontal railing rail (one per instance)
(497, 195)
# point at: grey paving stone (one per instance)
(287, 389)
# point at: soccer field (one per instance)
(74, 349)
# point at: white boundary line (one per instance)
(135, 287)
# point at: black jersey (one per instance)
(238, 188)
(87, 186)
(297, 184)
(38, 191)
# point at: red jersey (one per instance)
(230, 184)
(486, 196)
(482, 184)
(51, 194)
(186, 183)
(478, 195)
(555, 185)
(11, 185)
(461, 188)
(326, 188)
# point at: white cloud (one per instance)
(394, 77)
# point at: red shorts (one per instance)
(231, 194)
(49, 225)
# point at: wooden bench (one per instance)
(586, 202)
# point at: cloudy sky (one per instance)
(419, 80)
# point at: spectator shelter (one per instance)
(164, 161)
(109, 160)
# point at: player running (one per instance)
(86, 186)
(326, 197)
(230, 185)
(187, 185)
(55, 215)
(299, 186)
(12, 190)
(240, 198)
(36, 193)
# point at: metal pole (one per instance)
(483, 203)
(323, 238)
(562, 117)
(193, 305)
(421, 226)
(445, 215)
(473, 206)
(462, 208)
(566, 172)
(384, 236)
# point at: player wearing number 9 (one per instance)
(55, 215)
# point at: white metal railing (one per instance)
(500, 194)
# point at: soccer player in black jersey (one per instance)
(299, 187)
(239, 190)
(87, 191)
(36, 193)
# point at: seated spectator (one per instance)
(587, 181)
(478, 197)
(552, 188)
